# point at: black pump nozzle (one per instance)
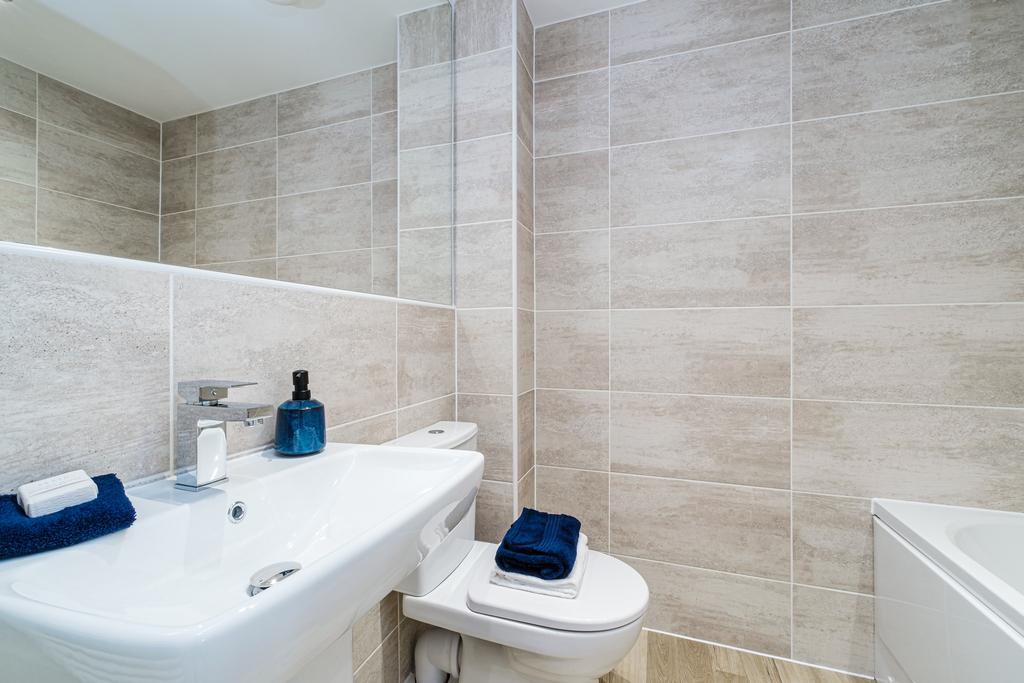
(300, 382)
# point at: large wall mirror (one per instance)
(306, 141)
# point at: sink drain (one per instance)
(271, 575)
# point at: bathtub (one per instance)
(949, 589)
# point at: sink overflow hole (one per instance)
(271, 575)
(236, 513)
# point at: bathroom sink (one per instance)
(169, 599)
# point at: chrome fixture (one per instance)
(201, 429)
(270, 576)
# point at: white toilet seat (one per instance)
(582, 633)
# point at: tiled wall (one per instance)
(76, 172)
(779, 271)
(298, 186)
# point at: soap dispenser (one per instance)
(301, 429)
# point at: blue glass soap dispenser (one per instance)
(300, 422)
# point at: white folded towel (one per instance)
(569, 587)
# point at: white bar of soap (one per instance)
(47, 496)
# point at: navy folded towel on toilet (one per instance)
(21, 535)
(540, 544)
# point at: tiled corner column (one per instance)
(778, 273)
(493, 249)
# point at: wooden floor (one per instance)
(659, 658)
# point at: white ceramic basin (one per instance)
(167, 600)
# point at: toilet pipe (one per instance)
(437, 656)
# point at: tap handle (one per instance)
(201, 391)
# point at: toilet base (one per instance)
(485, 661)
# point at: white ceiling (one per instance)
(170, 58)
(544, 12)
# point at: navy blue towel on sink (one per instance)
(21, 535)
(540, 544)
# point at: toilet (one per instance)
(491, 634)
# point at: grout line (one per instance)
(608, 301)
(173, 400)
(277, 183)
(792, 552)
(36, 181)
(160, 202)
(195, 198)
(96, 201)
(86, 136)
(516, 426)
(868, 16)
(771, 307)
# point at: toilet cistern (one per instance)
(201, 429)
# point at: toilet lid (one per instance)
(611, 595)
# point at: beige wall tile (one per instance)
(373, 627)
(742, 352)
(425, 37)
(383, 664)
(349, 347)
(493, 416)
(373, 430)
(179, 138)
(572, 113)
(384, 263)
(483, 264)
(729, 440)
(661, 27)
(237, 124)
(17, 88)
(525, 366)
(956, 49)
(178, 239)
(941, 152)
(425, 353)
(77, 165)
(524, 271)
(321, 104)
(524, 99)
(265, 268)
(409, 630)
(832, 542)
(178, 185)
(483, 26)
(814, 12)
(526, 456)
(971, 252)
(425, 414)
(580, 493)
(494, 514)
(425, 187)
(524, 185)
(68, 222)
(425, 105)
(483, 91)
(325, 157)
(572, 349)
(425, 265)
(735, 610)
(966, 355)
(572, 429)
(572, 270)
(330, 220)
(572, 192)
(483, 179)
(384, 148)
(714, 526)
(67, 107)
(385, 88)
(731, 175)
(17, 148)
(572, 46)
(350, 270)
(237, 232)
(385, 213)
(89, 322)
(730, 263)
(834, 629)
(735, 86)
(524, 35)
(238, 174)
(485, 351)
(17, 212)
(957, 456)
(527, 491)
